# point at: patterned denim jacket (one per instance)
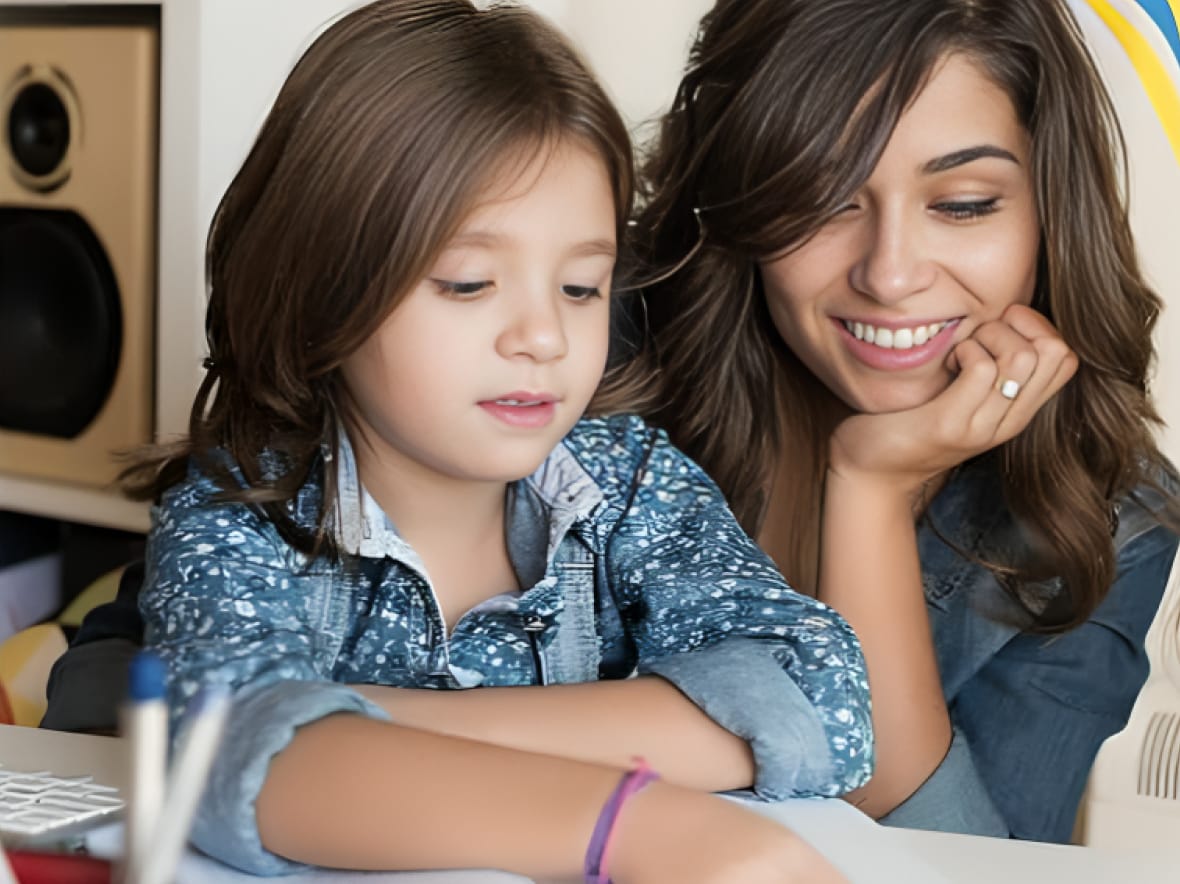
(632, 563)
(1029, 710)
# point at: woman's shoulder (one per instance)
(1143, 511)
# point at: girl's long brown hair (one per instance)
(783, 112)
(380, 142)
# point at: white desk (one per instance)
(967, 859)
(866, 852)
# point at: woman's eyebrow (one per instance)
(967, 155)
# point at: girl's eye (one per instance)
(966, 210)
(581, 292)
(456, 289)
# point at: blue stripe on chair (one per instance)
(1164, 13)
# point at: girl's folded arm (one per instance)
(351, 792)
(605, 722)
(743, 681)
(710, 613)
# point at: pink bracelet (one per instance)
(598, 852)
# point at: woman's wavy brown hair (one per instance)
(379, 144)
(783, 112)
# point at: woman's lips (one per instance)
(897, 347)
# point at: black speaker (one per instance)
(78, 149)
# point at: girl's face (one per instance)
(480, 371)
(941, 238)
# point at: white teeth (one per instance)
(517, 402)
(894, 339)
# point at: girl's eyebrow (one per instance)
(967, 155)
(484, 239)
(592, 247)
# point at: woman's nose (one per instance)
(893, 263)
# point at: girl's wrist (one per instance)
(597, 863)
(639, 826)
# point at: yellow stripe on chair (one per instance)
(25, 661)
(1162, 88)
(101, 591)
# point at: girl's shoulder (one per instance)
(611, 436)
(203, 508)
(621, 448)
(621, 454)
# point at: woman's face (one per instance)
(941, 238)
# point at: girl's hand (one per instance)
(906, 449)
(666, 833)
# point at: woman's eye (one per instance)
(966, 210)
(457, 289)
(581, 292)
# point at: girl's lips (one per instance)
(884, 359)
(525, 414)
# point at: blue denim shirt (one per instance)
(632, 563)
(1029, 710)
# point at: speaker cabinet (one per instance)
(78, 168)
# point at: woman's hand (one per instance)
(869, 565)
(974, 413)
(666, 833)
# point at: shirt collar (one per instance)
(540, 510)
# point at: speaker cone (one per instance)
(59, 308)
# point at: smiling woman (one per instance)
(939, 240)
(900, 320)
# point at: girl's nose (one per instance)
(534, 329)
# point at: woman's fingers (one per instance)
(1033, 364)
(1017, 361)
(1028, 322)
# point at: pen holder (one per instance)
(59, 868)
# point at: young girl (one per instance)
(389, 525)
(930, 397)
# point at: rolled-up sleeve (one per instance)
(709, 612)
(262, 723)
(1029, 723)
(223, 605)
(953, 799)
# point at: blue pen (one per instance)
(145, 725)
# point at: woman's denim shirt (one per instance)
(1029, 710)
(633, 564)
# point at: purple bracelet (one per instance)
(598, 852)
